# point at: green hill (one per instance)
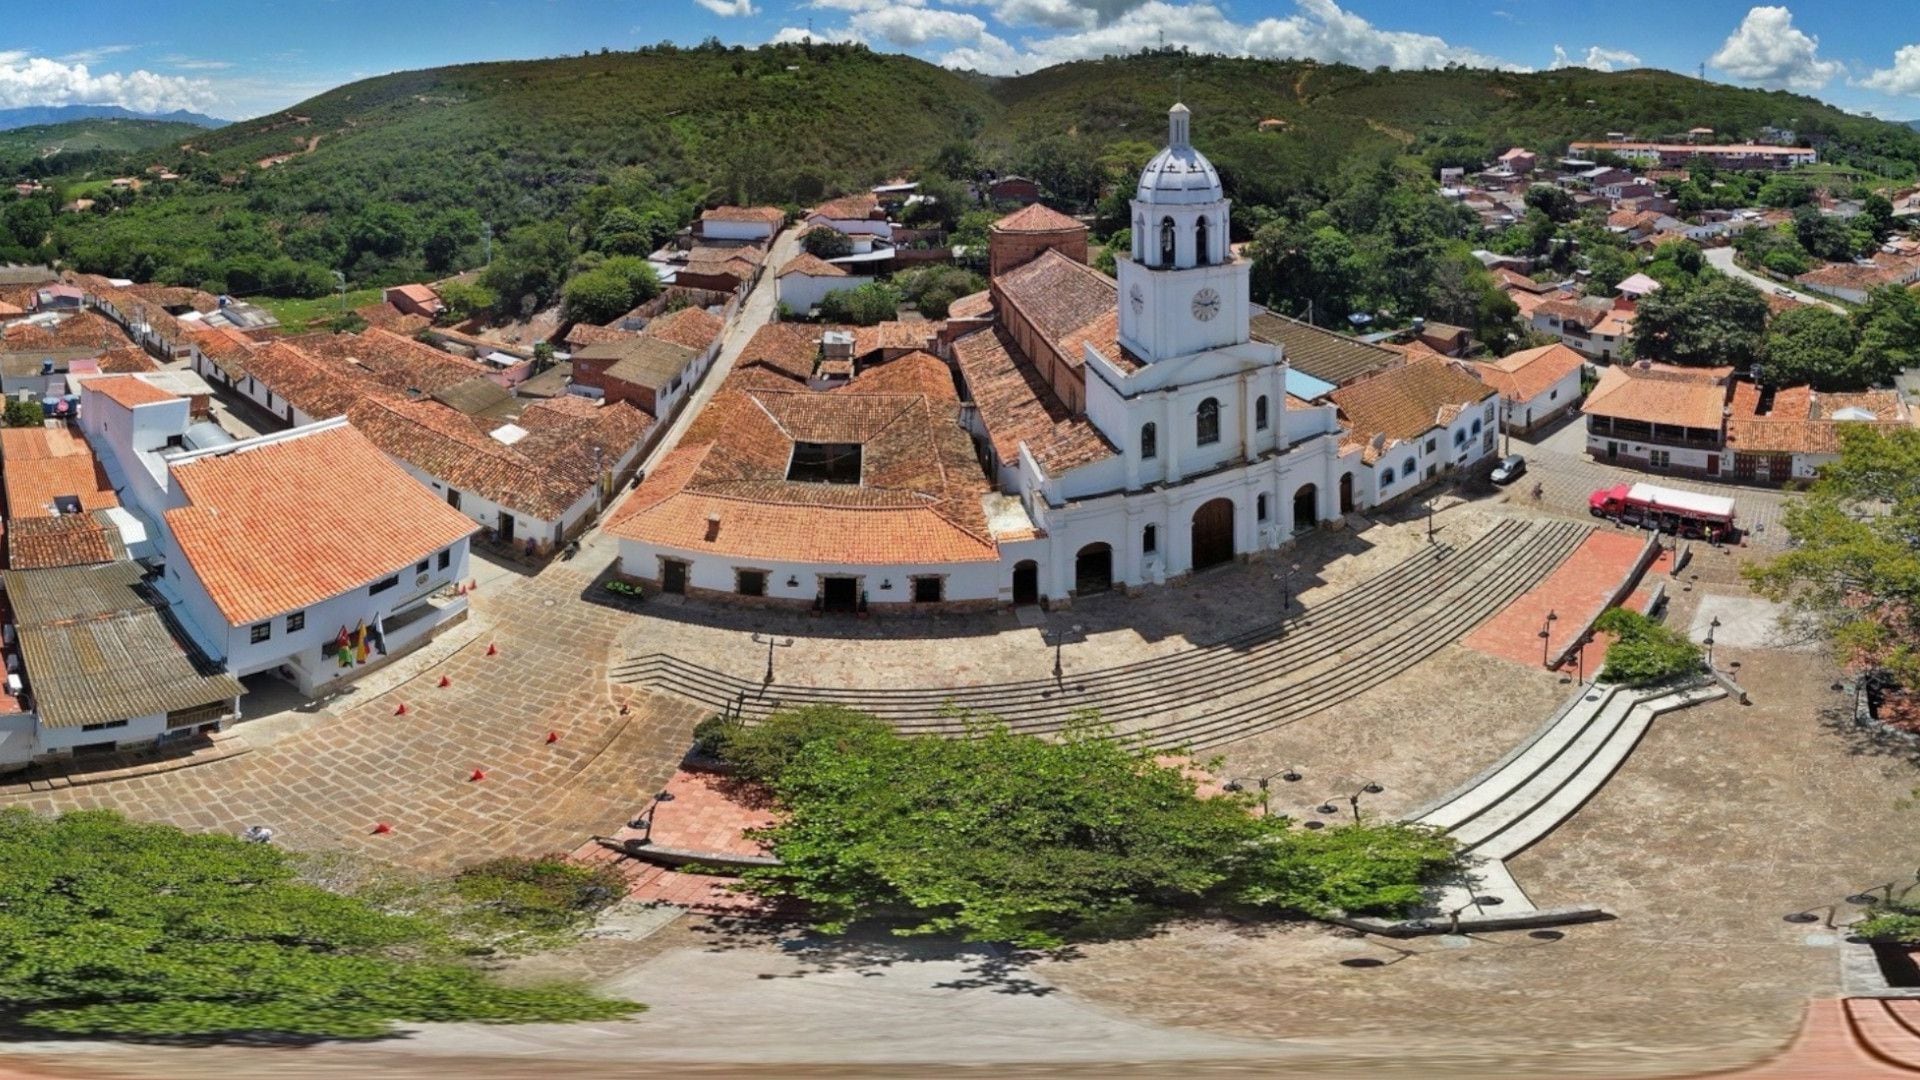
(390, 178)
(55, 145)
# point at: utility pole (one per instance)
(342, 280)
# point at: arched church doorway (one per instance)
(1026, 582)
(1213, 534)
(1346, 493)
(1306, 507)
(1093, 570)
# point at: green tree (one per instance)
(1554, 201)
(1889, 329)
(383, 229)
(112, 928)
(446, 235)
(610, 290)
(931, 289)
(1823, 236)
(464, 300)
(28, 221)
(1644, 651)
(1810, 344)
(28, 413)
(1852, 573)
(824, 243)
(875, 302)
(1877, 211)
(531, 265)
(1041, 840)
(1716, 321)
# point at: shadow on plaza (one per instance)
(870, 949)
(1222, 605)
(1867, 738)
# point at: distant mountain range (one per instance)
(35, 115)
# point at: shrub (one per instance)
(1007, 837)
(25, 413)
(1644, 651)
(822, 242)
(1897, 922)
(113, 928)
(537, 896)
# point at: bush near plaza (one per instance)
(1644, 651)
(1007, 837)
(874, 302)
(114, 928)
(824, 243)
(1896, 922)
(1854, 572)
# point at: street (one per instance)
(1721, 259)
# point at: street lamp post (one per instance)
(1286, 589)
(772, 643)
(1058, 639)
(646, 821)
(1353, 800)
(1238, 783)
(341, 280)
(1546, 638)
(1712, 627)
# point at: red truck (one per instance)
(1687, 513)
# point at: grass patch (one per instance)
(295, 313)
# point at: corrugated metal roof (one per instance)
(98, 647)
(1323, 354)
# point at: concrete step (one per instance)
(1545, 747)
(1552, 779)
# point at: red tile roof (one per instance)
(812, 266)
(283, 525)
(1525, 375)
(771, 215)
(691, 327)
(788, 348)
(1060, 297)
(126, 360)
(1803, 422)
(1408, 401)
(1659, 394)
(859, 207)
(38, 466)
(126, 390)
(1018, 407)
(1036, 219)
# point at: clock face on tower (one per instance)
(1139, 299)
(1206, 304)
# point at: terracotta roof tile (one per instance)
(585, 334)
(228, 349)
(691, 327)
(1323, 354)
(1018, 407)
(1659, 394)
(283, 525)
(127, 360)
(48, 543)
(1036, 219)
(1409, 401)
(1060, 297)
(812, 266)
(861, 207)
(771, 215)
(126, 390)
(788, 348)
(1528, 373)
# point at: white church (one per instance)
(1132, 432)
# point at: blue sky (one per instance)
(240, 58)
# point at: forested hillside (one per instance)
(63, 148)
(601, 155)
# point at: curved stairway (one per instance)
(1251, 682)
(1887, 1030)
(1527, 794)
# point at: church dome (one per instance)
(1179, 175)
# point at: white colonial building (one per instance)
(1133, 432)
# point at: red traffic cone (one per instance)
(400, 709)
(552, 737)
(492, 649)
(478, 774)
(446, 680)
(382, 828)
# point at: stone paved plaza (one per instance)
(1724, 819)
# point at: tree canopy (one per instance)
(1006, 837)
(120, 929)
(1716, 320)
(1854, 567)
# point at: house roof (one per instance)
(1061, 297)
(100, 646)
(387, 317)
(971, 306)
(1801, 421)
(1659, 394)
(1036, 219)
(1637, 285)
(128, 391)
(397, 362)
(1323, 354)
(228, 349)
(643, 361)
(80, 330)
(39, 465)
(1513, 279)
(788, 348)
(725, 488)
(1019, 408)
(126, 360)
(281, 524)
(770, 215)
(692, 327)
(419, 294)
(585, 334)
(812, 265)
(1528, 373)
(1408, 401)
(858, 207)
(45, 543)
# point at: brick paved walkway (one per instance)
(327, 786)
(1575, 592)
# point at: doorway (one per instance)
(1213, 534)
(1346, 493)
(1093, 570)
(673, 577)
(1026, 582)
(839, 593)
(506, 527)
(1306, 508)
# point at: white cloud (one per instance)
(793, 35)
(38, 80)
(95, 54)
(912, 27)
(728, 8)
(1597, 58)
(1766, 48)
(1902, 78)
(1320, 30)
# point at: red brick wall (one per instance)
(1007, 251)
(640, 397)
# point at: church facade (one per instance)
(1131, 428)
